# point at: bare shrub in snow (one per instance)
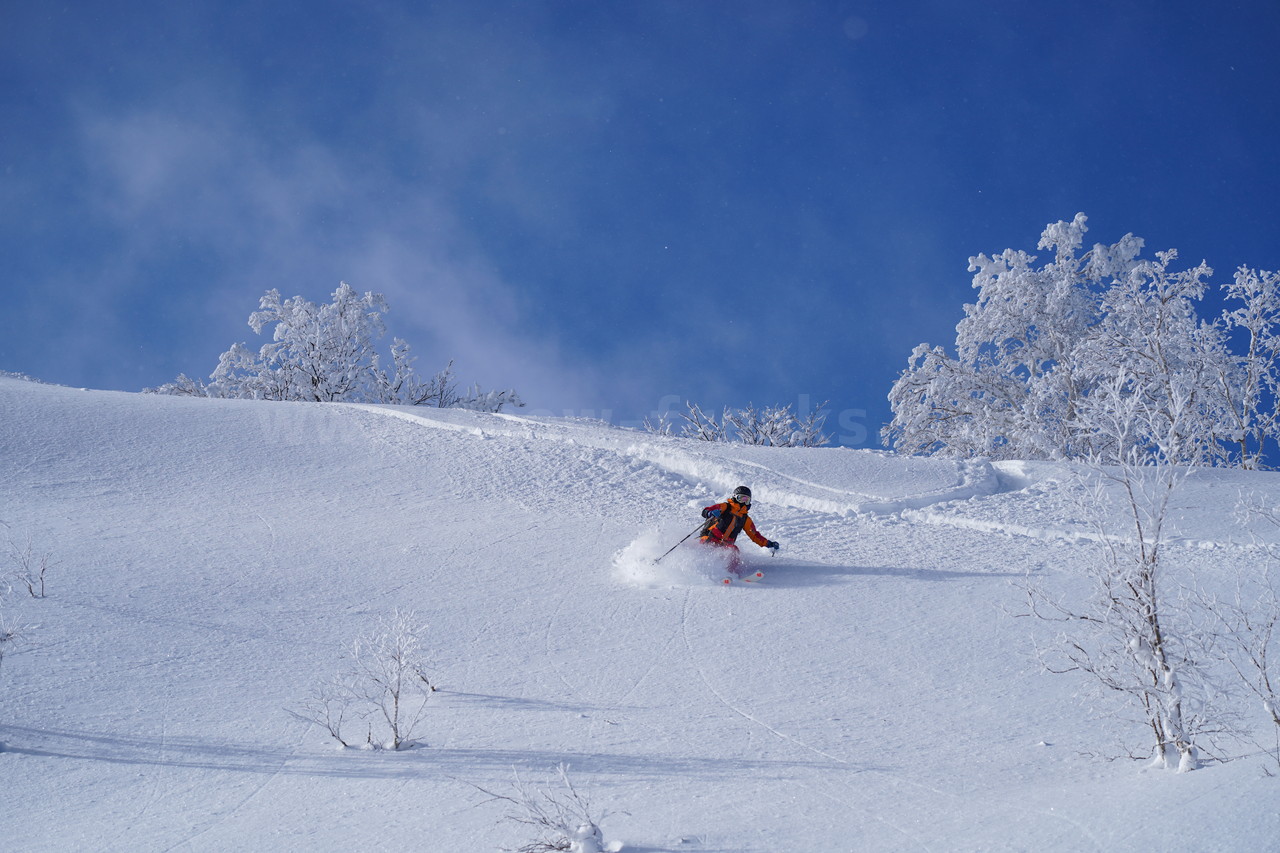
(1245, 624)
(30, 566)
(390, 669)
(327, 353)
(664, 425)
(329, 706)
(561, 817)
(403, 387)
(385, 682)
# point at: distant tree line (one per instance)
(771, 426)
(1048, 356)
(328, 353)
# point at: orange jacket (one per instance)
(732, 521)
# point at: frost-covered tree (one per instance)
(702, 426)
(944, 406)
(403, 387)
(1041, 340)
(776, 426)
(1250, 390)
(1013, 387)
(1159, 370)
(328, 353)
(318, 353)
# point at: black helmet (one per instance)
(742, 495)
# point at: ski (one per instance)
(750, 577)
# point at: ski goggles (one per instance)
(742, 499)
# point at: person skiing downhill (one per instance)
(726, 520)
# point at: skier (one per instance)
(725, 521)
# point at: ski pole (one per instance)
(678, 544)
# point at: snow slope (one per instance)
(215, 558)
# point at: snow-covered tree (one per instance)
(1158, 370)
(1251, 389)
(328, 353)
(318, 353)
(1040, 341)
(1012, 388)
(946, 407)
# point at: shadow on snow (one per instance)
(426, 763)
(789, 574)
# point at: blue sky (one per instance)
(606, 204)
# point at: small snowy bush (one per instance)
(385, 682)
(772, 426)
(562, 818)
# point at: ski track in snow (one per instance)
(753, 717)
(782, 736)
(228, 814)
(702, 463)
(944, 492)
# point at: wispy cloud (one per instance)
(300, 217)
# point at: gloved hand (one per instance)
(773, 546)
(711, 513)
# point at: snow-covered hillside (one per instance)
(214, 560)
